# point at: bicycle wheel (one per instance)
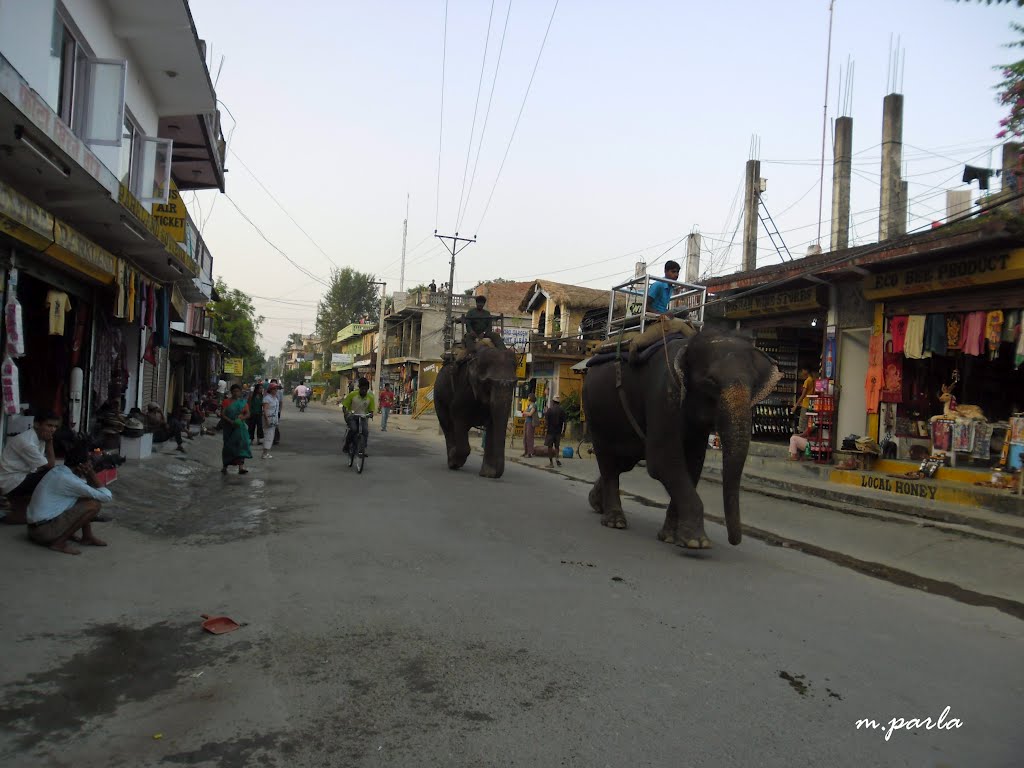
(585, 450)
(351, 454)
(362, 455)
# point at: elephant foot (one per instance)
(594, 498)
(488, 471)
(701, 542)
(669, 537)
(455, 462)
(614, 519)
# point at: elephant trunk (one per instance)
(494, 452)
(734, 429)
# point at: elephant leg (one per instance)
(668, 530)
(690, 511)
(612, 515)
(594, 497)
(458, 450)
(696, 448)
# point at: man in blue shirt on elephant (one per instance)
(659, 294)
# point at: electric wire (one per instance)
(487, 114)
(476, 108)
(440, 129)
(515, 127)
(283, 209)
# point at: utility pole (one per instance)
(380, 337)
(405, 233)
(454, 249)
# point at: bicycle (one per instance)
(357, 446)
(585, 449)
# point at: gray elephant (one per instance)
(685, 389)
(476, 392)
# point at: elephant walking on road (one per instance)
(476, 392)
(675, 399)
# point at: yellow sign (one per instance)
(24, 220)
(233, 365)
(775, 303)
(171, 215)
(84, 255)
(136, 209)
(979, 269)
(520, 367)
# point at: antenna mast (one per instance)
(405, 233)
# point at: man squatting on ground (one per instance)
(25, 461)
(67, 500)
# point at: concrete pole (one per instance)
(892, 162)
(841, 170)
(692, 257)
(751, 200)
(1012, 177)
(898, 224)
(380, 340)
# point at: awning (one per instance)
(184, 339)
(581, 366)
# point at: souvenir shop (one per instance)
(790, 327)
(949, 366)
(48, 338)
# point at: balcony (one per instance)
(557, 346)
(439, 300)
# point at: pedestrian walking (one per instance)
(280, 402)
(387, 402)
(555, 418)
(529, 425)
(233, 418)
(803, 400)
(271, 416)
(256, 414)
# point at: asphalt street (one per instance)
(414, 616)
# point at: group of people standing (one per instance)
(244, 419)
(554, 418)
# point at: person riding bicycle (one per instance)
(358, 403)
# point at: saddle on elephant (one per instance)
(662, 329)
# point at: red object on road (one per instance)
(218, 625)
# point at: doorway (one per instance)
(853, 368)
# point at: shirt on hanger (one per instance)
(57, 303)
(913, 345)
(898, 329)
(994, 331)
(972, 339)
(954, 331)
(935, 333)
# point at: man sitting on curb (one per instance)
(25, 461)
(65, 501)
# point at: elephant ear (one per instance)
(473, 376)
(768, 376)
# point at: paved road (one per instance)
(414, 616)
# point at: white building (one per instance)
(106, 110)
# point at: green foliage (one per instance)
(572, 405)
(293, 338)
(237, 326)
(350, 297)
(1011, 92)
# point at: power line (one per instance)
(518, 117)
(283, 209)
(487, 114)
(288, 258)
(476, 107)
(440, 129)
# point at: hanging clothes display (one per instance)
(913, 346)
(993, 332)
(119, 303)
(892, 369)
(982, 440)
(973, 333)
(954, 327)
(898, 329)
(57, 304)
(963, 436)
(942, 434)
(163, 319)
(130, 309)
(151, 305)
(875, 375)
(935, 337)
(11, 392)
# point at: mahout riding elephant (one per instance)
(476, 392)
(685, 390)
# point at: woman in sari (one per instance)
(234, 418)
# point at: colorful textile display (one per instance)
(9, 382)
(972, 341)
(993, 332)
(982, 440)
(898, 329)
(954, 327)
(892, 375)
(942, 434)
(913, 345)
(15, 329)
(963, 436)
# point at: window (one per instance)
(152, 169)
(128, 137)
(90, 91)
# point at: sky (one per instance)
(634, 132)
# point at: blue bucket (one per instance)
(567, 452)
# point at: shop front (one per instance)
(790, 326)
(946, 359)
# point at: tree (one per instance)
(1011, 92)
(237, 325)
(350, 297)
(294, 339)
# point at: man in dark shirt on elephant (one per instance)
(478, 326)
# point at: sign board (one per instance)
(516, 338)
(965, 271)
(171, 215)
(233, 365)
(775, 303)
